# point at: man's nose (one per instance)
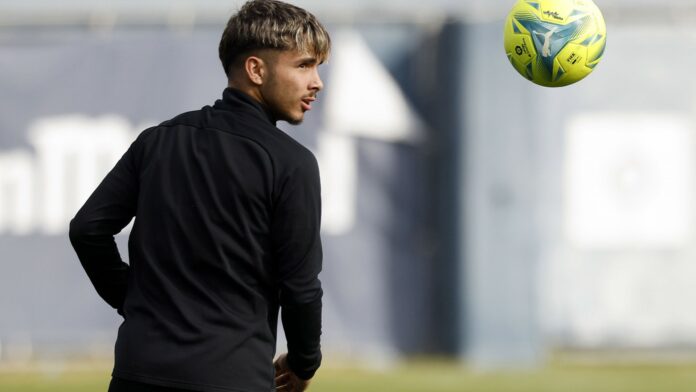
(316, 84)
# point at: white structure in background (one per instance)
(74, 153)
(41, 192)
(625, 274)
(363, 101)
(17, 192)
(629, 181)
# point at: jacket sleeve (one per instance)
(107, 211)
(297, 248)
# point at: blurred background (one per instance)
(469, 215)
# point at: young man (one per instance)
(226, 232)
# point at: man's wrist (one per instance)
(303, 374)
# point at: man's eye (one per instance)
(303, 66)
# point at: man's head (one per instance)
(272, 50)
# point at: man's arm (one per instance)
(107, 211)
(296, 227)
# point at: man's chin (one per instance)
(295, 120)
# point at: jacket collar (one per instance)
(234, 99)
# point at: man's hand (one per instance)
(285, 379)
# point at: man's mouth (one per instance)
(307, 103)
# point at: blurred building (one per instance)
(466, 211)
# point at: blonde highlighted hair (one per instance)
(272, 24)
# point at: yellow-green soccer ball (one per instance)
(555, 42)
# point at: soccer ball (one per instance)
(555, 43)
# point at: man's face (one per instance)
(291, 85)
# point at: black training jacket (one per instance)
(227, 215)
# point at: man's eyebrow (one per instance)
(307, 60)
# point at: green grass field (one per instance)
(420, 376)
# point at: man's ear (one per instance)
(255, 69)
